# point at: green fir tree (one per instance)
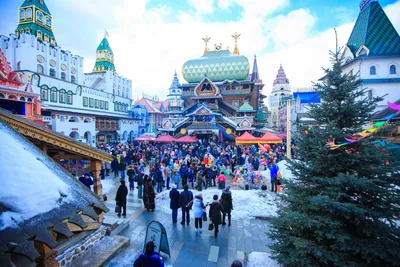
(343, 207)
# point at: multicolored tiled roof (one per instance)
(374, 30)
(218, 65)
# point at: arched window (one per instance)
(39, 16)
(44, 94)
(48, 21)
(22, 14)
(392, 69)
(53, 97)
(40, 69)
(72, 79)
(19, 65)
(63, 76)
(29, 13)
(372, 70)
(62, 96)
(52, 73)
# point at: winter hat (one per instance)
(236, 263)
(87, 174)
(227, 188)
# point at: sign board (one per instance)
(74, 129)
(156, 232)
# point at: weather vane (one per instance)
(236, 36)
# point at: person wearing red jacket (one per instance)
(221, 181)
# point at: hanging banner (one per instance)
(156, 232)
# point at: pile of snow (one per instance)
(246, 203)
(286, 173)
(108, 184)
(28, 186)
(261, 259)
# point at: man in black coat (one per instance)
(174, 204)
(185, 198)
(120, 198)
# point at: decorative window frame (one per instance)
(45, 90)
(101, 104)
(394, 68)
(55, 73)
(62, 96)
(97, 103)
(106, 105)
(37, 16)
(65, 76)
(28, 11)
(91, 103)
(70, 98)
(372, 70)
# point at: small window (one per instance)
(52, 73)
(63, 76)
(392, 69)
(39, 16)
(48, 21)
(106, 105)
(91, 102)
(69, 99)
(72, 79)
(62, 97)
(97, 103)
(101, 104)
(53, 96)
(85, 101)
(44, 95)
(372, 70)
(22, 14)
(40, 69)
(29, 13)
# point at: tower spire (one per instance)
(236, 36)
(104, 56)
(206, 41)
(255, 77)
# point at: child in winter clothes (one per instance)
(221, 181)
(198, 208)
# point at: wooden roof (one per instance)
(58, 145)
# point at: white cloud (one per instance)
(149, 45)
(202, 6)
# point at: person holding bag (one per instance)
(120, 198)
(215, 211)
(198, 207)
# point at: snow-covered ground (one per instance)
(286, 173)
(246, 203)
(28, 186)
(261, 259)
(108, 184)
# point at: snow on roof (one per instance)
(23, 192)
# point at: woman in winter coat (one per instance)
(115, 167)
(198, 206)
(140, 181)
(149, 195)
(120, 198)
(226, 201)
(199, 180)
(214, 214)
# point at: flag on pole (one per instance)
(106, 33)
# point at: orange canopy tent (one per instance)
(247, 138)
(269, 138)
(187, 139)
(164, 139)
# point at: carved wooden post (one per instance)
(96, 167)
(43, 147)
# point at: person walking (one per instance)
(221, 181)
(139, 183)
(122, 167)
(168, 173)
(214, 214)
(120, 198)
(159, 179)
(131, 174)
(115, 167)
(86, 180)
(177, 179)
(226, 201)
(149, 195)
(199, 180)
(274, 169)
(185, 197)
(198, 208)
(149, 257)
(184, 172)
(174, 204)
(108, 168)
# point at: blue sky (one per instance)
(152, 38)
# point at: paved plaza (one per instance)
(187, 247)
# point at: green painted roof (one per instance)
(245, 107)
(38, 3)
(374, 30)
(107, 65)
(218, 66)
(104, 45)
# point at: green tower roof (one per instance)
(38, 3)
(246, 107)
(260, 115)
(374, 30)
(104, 45)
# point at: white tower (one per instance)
(174, 96)
(281, 88)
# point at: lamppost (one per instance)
(288, 99)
